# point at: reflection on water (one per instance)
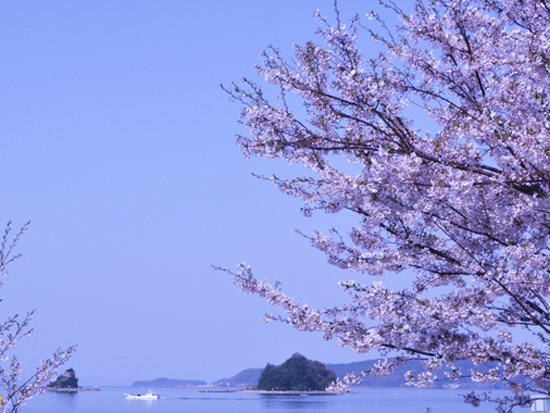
(65, 399)
(295, 402)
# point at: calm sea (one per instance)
(189, 400)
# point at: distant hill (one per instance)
(396, 379)
(242, 379)
(162, 382)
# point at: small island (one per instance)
(296, 376)
(68, 383)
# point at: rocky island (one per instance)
(68, 382)
(297, 375)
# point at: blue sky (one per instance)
(119, 145)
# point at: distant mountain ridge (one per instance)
(394, 380)
(162, 382)
(397, 378)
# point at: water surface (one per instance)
(111, 400)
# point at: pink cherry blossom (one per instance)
(464, 209)
(14, 389)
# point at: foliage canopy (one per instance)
(297, 373)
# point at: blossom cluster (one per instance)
(463, 212)
(16, 389)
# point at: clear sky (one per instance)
(119, 145)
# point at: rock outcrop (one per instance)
(67, 381)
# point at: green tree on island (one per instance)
(297, 373)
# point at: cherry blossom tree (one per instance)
(14, 388)
(463, 210)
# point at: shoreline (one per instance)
(276, 392)
(71, 389)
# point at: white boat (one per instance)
(142, 396)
